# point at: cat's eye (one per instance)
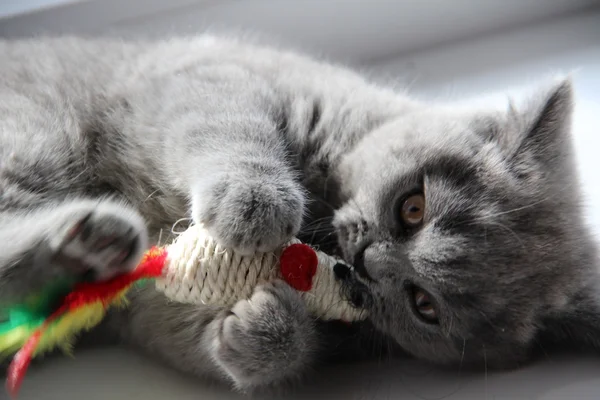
(424, 306)
(412, 210)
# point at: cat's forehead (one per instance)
(437, 124)
(419, 138)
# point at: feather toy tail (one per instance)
(81, 309)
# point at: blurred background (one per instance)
(457, 44)
(443, 50)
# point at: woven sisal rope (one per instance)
(199, 271)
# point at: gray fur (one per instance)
(261, 144)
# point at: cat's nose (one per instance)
(359, 262)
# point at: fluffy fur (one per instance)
(104, 144)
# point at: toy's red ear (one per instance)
(298, 265)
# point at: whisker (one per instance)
(543, 349)
(319, 230)
(462, 356)
(328, 236)
(150, 195)
(512, 232)
(324, 202)
(360, 211)
(159, 237)
(450, 325)
(486, 371)
(316, 222)
(173, 231)
(486, 218)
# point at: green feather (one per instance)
(19, 321)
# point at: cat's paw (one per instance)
(266, 340)
(250, 214)
(100, 241)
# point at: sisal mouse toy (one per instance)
(193, 269)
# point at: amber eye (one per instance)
(412, 210)
(423, 304)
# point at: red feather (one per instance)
(90, 292)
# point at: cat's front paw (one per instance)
(100, 241)
(264, 341)
(250, 214)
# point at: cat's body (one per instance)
(260, 145)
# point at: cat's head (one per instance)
(467, 234)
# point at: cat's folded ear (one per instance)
(576, 327)
(540, 128)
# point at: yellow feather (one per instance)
(64, 331)
(12, 341)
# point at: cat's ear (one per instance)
(540, 128)
(576, 327)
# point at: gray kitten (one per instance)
(465, 228)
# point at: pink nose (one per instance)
(298, 265)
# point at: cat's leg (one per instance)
(267, 340)
(47, 231)
(87, 239)
(263, 343)
(228, 155)
(250, 200)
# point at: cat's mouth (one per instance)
(352, 288)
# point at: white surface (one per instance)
(122, 375)
(488, 64)
(352, 30)
(10, 8)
